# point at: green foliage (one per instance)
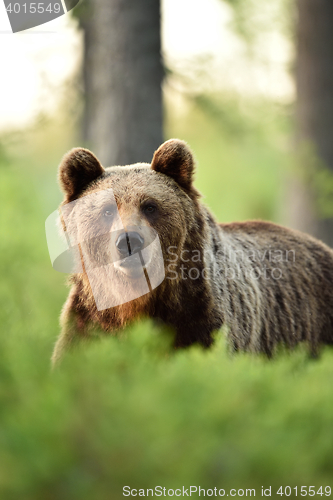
(253, 18)
(241, 152)
(315, 173)
(128, 410)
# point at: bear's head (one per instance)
(125, 219)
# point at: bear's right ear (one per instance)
(78, 168)
(174, 159)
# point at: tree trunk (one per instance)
(122, 80)
(314, 112)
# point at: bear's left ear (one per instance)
(174, 158)
(78, 168)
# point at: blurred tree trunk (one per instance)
(122, 76)
(314, 113)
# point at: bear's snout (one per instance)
(129, 243)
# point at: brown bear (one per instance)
(266, 283)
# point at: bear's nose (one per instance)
(129, 243)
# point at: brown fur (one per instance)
(267, 283)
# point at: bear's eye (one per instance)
(108, 212)
(149, 208)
